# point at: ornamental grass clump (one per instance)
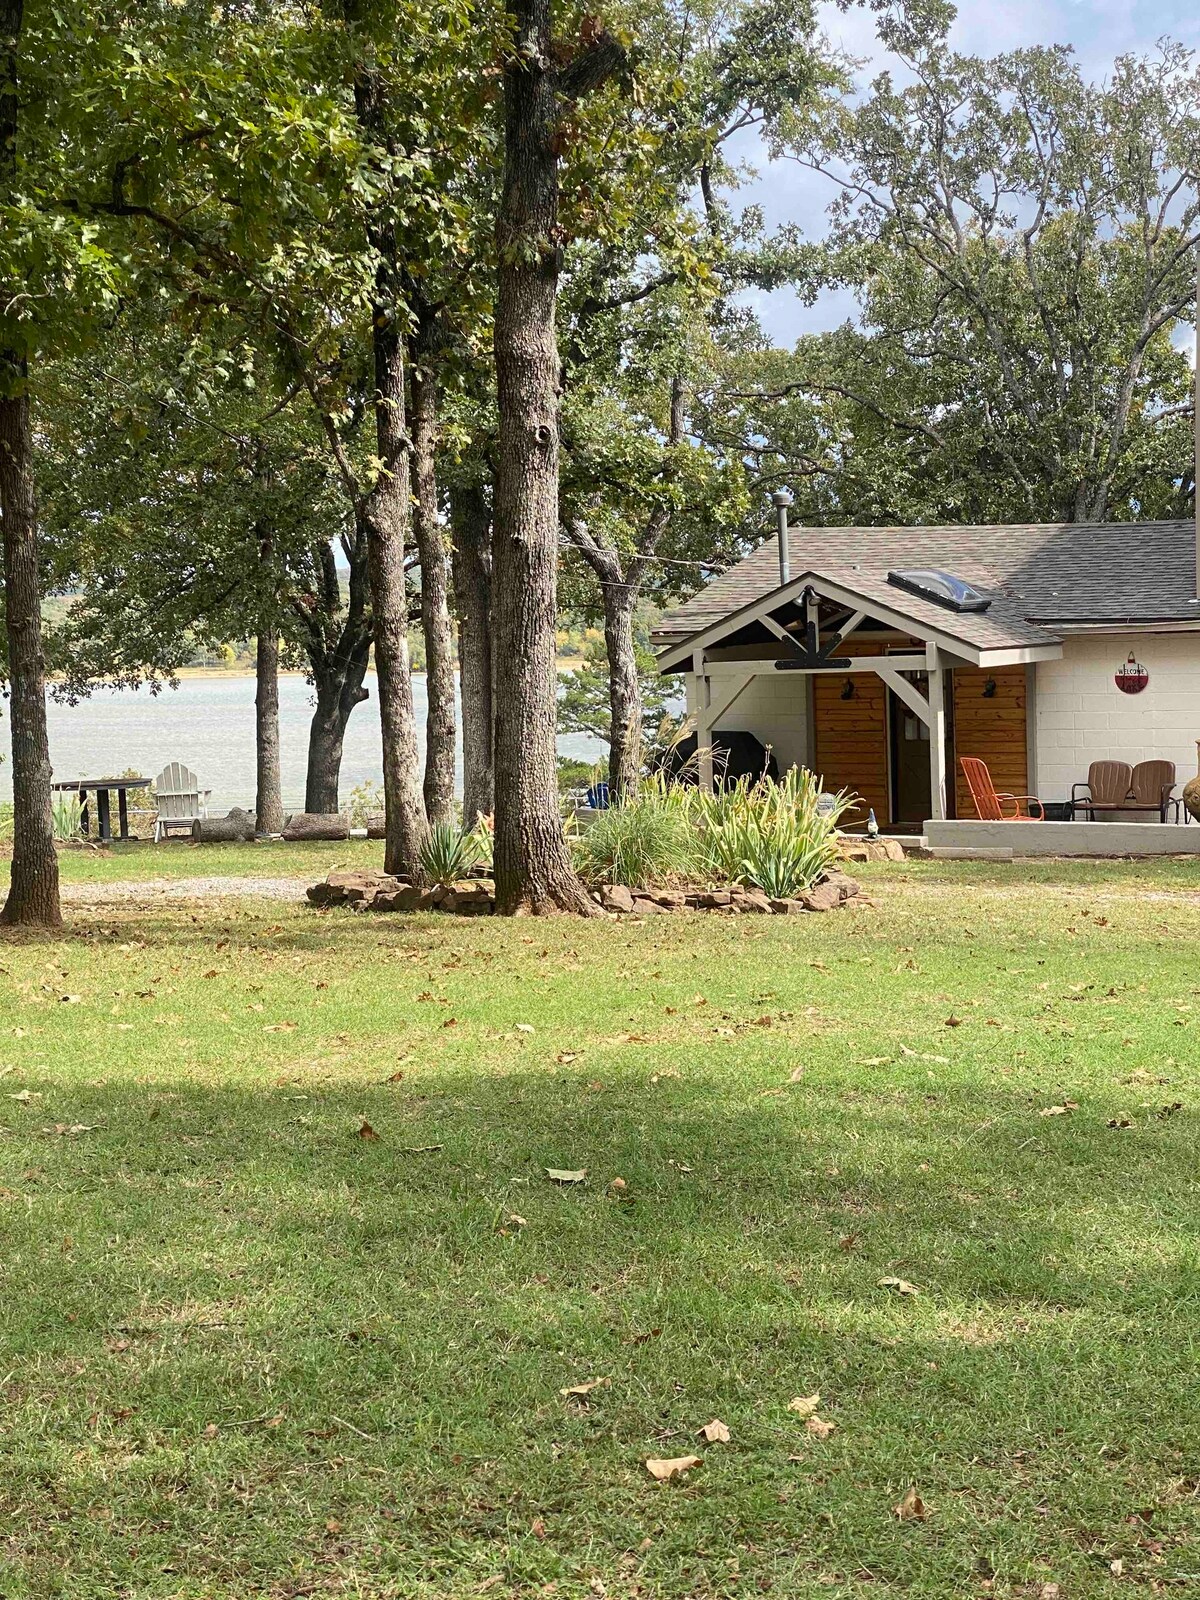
(640, 840)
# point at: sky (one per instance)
(1098, 31)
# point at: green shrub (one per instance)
(451, 852)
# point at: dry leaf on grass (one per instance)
(70, 999)
(1063, 1110)
(581, 1389)
(24, 1096)
(566, 1175)
(280, 1027)
(804, 1404)
(1120, 1122)
(565, 1057)
(819, 1428)
(366, 1131)
(664, 1471)
(899, 1285)
(910, 1508)
(715, 1432)
(525, 1027)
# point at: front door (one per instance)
(909, 741)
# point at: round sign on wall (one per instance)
(1132, 677)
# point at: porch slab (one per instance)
(1065, 838)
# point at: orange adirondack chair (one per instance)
(990, 806)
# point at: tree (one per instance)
(1023, 245)
(54, 274)
(533, 865)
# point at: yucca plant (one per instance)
(771, 835)
(450, 853)
(66, 816)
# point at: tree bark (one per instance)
(624, 691)
(33, 888)
(317, 825)
(237, 827)
(384, 514)
(337, 695)
(533, 863)
(268, 795)
(440, 720)
(472, 524)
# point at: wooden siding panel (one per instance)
(851, 739)
(991, 728)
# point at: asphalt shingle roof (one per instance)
(1037, 575)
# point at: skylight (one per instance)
(941, 587)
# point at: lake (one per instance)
(208, 723)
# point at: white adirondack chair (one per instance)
(180, 799)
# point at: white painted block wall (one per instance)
(1082, 716)
(773, 707)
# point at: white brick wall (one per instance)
(1082, 716)
(773, 708)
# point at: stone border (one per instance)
(372, 891)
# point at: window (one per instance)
(941, 587)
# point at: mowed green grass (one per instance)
(247, 1351)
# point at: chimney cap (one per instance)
(782, 497)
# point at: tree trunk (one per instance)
(384, 515)
(624, 691)
(337, 696)
(33, 890)
(473, 600)
(33, 887)
(435, 604)
(533, 862)
(268, 801)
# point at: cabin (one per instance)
(879, 657)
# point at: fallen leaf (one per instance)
(525, 1027)
(211, 1430)
(1116, 1567)
(333, 1526)
(848, 1241)
(715, 1432)
(1060, 1111)
(69, 999)
(819, 1428)
(899, 1285)
(664, 1471)
(618, 1186)
(280, 1027)
(565, 1175)
(797, 1075)
(565, 1057)
(586, 1388)
(911, 1508)
(1120, 1122)
(24, 1096)
(366, 1131)
(953, 1022)
(805, 1404)
(396, 1077)
(874, 1061)
(537, 1528)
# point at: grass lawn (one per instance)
(249, 1352)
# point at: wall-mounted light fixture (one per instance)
(848, 689)
(989, 689)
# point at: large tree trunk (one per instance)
(33, 888)
(435, 604)
(339, 690)
(533, 862)
(268, 801)
(472, 524)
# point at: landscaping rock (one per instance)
(822, 897)
(709, 899)
(847, 887)
(669, 899)
(787, 908)
(616, 897)
(643, 907)
(752, 901)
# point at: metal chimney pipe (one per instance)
(782, 499)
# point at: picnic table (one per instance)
(102, 788)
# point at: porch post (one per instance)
(704, 757)
(937, 733)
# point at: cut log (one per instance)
(237, 826)
(377, 825)
(317, 825)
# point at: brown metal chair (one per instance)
(1150, 787)
(1107, 788)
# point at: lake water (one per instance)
(208, 723)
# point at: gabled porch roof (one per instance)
(994, 638)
